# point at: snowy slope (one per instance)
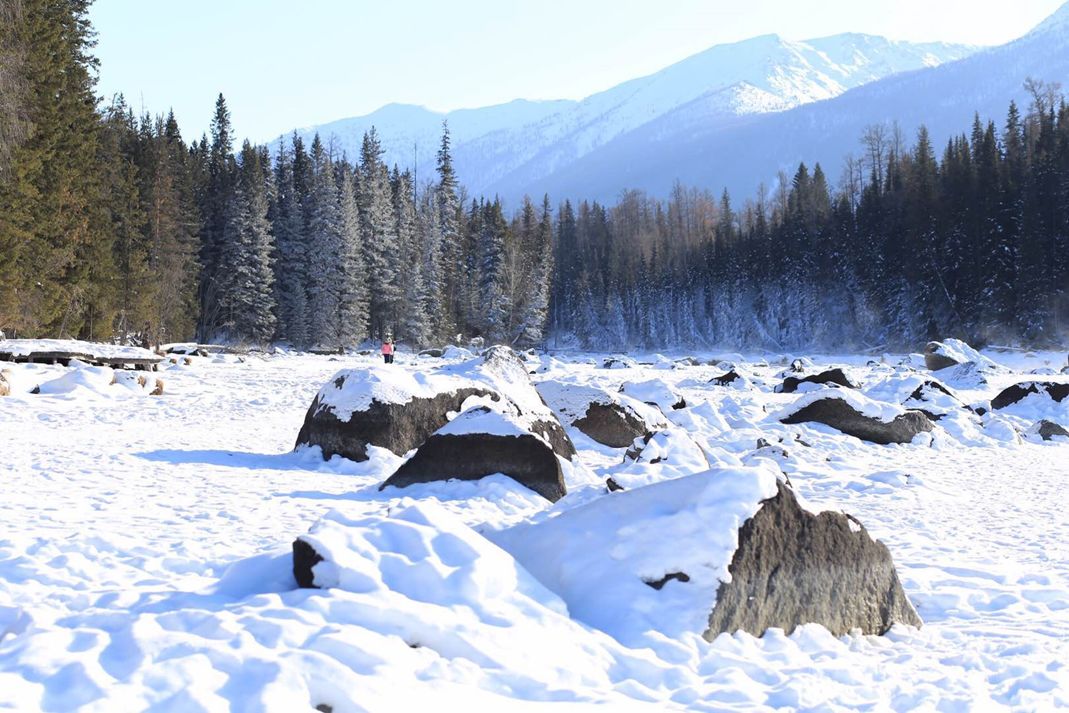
(742, 154)
(524, 141)
(144, 558)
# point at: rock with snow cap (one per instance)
(655, 392)
(855, 415)
(831, 376)
(398, 410)
(611, 419)
(1007, 397)
(686, 556)
(1047, 430)
(481, 442)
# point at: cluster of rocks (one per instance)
(466, 424)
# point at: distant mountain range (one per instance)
(732, 116)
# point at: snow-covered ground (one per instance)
(145, 540)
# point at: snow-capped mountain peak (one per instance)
(522, 141)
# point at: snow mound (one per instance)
(82, 379)
(879, 410)
(600, 557)
(655, 392)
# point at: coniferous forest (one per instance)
(116, 226)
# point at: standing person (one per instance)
(387, 350)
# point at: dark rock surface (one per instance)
(612, 425)
(658, 584)
(526, 459)
(831, 376)
(304, 559)
(841, 416)
(794, 568)
(1015, 393)
(726, 379)
(1048, 430)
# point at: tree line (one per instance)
(908, 247)
(112, 226)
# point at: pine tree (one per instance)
(246, 279)
(413, 322)
(353, 307)
(51, 229)
(217, 209)
(379, 235)
(325, 252)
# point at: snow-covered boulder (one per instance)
(619, 362)
(482, 442)
(959, 364)
(382, 406)
(831, 376)
(685, 556)
(672, 447)
(655, 392)
(390, 407)
(611, 419)
(1009, 396)
(80, 378)
(856, 415)
(1047, 430)
(950, 352)
(917, 392)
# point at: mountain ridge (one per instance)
(535, 139)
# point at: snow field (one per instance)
(144, 563)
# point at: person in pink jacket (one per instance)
(387, 350)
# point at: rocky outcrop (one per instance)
(479, 443)
(793, 567)
(843, 417)
(831, 376)
(1013, 394)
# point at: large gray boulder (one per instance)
(1011, 395)
(793, 567)
(397, 426)
(481, 442)
(850, 418)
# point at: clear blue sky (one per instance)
(287, 64)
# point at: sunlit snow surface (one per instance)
(144, 554)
